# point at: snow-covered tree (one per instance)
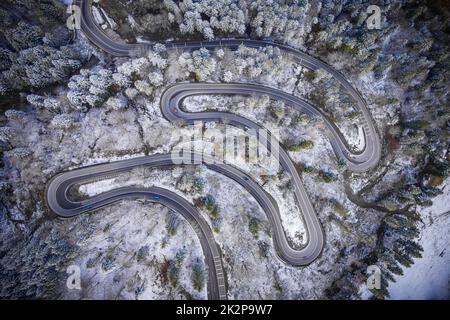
(205, 16)
(144, 87)
(121, 79)
(36, 100)
(118, 102)
(20, 153)
(90, 88)
(157, 60)
(253, 63)
(62, 121)
(201, 62)
(42, 66)
(280, 18)
(5, 134)
(228, 76)
(24, 36)
(156, 78)
(45, 103)
(52, 104)
(140, 66)
(6, 59)
(220, 53)
(13, 114)
(131, 93)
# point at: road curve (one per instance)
(358, 161)
(60, 202)
(171, 101)
(175, 94)
(171, 107)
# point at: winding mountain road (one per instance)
(59, 201)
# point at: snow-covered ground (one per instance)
(123, 249)
(429, 276)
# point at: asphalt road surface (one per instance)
(60, 202)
